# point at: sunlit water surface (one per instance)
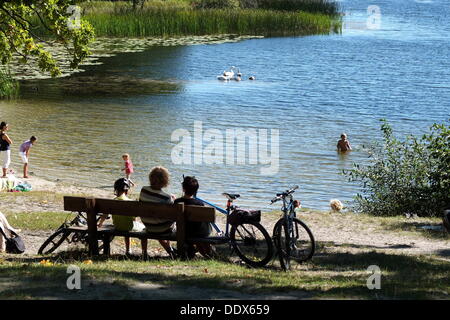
(310, 89)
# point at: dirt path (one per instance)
(395, 236)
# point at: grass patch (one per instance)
(32, 196)
(179, 18)
(331, 275)
(37, 220)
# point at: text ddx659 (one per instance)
(227, 309)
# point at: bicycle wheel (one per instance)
(294, 241)
(281, 240)
(54, 241)
(252, 243)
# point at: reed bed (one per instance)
(9, 88)
(176, 22)
(178, 18)
(312, 6)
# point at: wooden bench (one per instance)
(178, 213)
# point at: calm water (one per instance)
(309, 88)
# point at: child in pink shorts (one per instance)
(128, 167)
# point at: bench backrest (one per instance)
(141, 209)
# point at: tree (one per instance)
(409, 176)
(18, 20)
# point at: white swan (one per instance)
(227, 75)
(223, 78)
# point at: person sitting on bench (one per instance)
(125, 223)
(195, 229)
(159, 178)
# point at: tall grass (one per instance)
(313, 6)
(179, 18)
(175, 22)
(9, 88)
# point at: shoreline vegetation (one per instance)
(9, 87)
(173, 18)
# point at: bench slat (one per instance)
(139, 209)
(77, 204)
(140, 235)
(200, 214)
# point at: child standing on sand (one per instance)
(128, 167)
(24, 150)
(344, 144)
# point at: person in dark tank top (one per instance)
(195, 229)
(5, 147)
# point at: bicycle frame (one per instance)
(221, 210)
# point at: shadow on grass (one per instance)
(324, 244)
(331, 275)
(428, 230)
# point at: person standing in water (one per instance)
(5, 147)
(344, 144)
(24, 150)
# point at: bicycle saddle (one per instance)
(231, 196)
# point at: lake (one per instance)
(308, 90)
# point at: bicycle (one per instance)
(64, 232)
(292, 237)
(249, 239)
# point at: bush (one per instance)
(9, 88)
(410, 176)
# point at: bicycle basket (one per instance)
(239, 216)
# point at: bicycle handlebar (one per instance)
(282, 195)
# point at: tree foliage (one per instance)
(18, 39)
(409, 176)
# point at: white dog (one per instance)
(336, 205)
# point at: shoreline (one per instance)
(39, 184)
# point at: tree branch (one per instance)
(40, 18)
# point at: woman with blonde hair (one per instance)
(159, 178)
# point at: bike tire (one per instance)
(284, 247)
(281, 240)
(54, 241)
(254, 249)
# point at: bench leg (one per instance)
(106, 245)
